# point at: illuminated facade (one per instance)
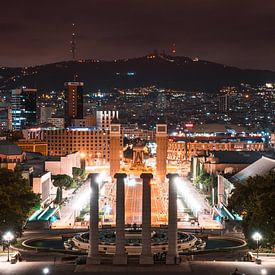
(184, 150)
(34, 146)
(104, 119)
(74, 101)
(23, 108)
(161, 139)
(92, 143)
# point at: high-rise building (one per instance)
(224, 103)
(5, 117)
(74, 101)
(23, 108)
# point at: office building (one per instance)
(73, 101)
(23, 108)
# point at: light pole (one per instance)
(257, 237)
(8, 237)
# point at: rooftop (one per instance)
(260, 167)
(9, 148)
(236, 157)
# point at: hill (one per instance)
(163, 71)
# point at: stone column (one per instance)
(120, 257)
(93, 255)
(172, 219)
(146, 257)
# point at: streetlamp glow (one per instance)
(46, 270)
(257, 237)
(8, 237)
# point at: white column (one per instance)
(93, 255)
(172, 220)
(120, 257)
(146, 254)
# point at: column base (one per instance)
(94, 260)
(120, 260)
(171, 259)
(146, 260)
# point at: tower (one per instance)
(73, 42)
(74, 101)
(224, 101)
(114, 147)
(161, 138)
(174, 50)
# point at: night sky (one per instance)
(233, 32)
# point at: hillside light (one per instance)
(257, 237)
(8, 237)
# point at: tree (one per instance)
(79, 174)
(62, 182)
(17, 200)
(254, 200)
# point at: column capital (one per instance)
(171, 176)
(120, 175)
(93, 177)
(146, 176)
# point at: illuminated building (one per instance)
(132, 131)
(63, 165)
(10, 155)
(74, 101)
(224, 103)
(87, 121)
(104, 119)
(45, 114)
(34, 146)
(23, 108)
(58, 122)
(5, 118)
(185, 150)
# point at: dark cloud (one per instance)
(234, 32)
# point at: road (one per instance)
(133, 203)
(69, 211)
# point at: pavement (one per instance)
(188, 268)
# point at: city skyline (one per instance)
(238, 34)
(137, 136)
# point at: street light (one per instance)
(46, 270)
(257, 237)
(8, 237)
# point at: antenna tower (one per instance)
(174, 50)
(73, 42)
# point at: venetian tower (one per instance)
(161, 138)
(114, 147)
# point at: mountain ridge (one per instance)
(163, 71)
